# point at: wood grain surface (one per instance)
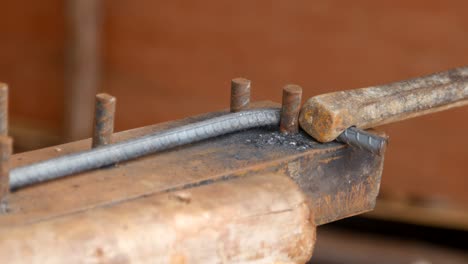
(216, 201)
(188, 226)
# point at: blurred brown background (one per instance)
(165, 60)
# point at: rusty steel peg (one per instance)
(103, 120)
(6, 149)
(3, 109)
(291, 106)
(240, 94)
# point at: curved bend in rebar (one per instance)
(134, 148)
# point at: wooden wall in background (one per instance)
(32, 51)
(169, 59)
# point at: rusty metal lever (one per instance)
(326, 117)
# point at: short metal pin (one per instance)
(240, 94)
(3, 109)
(6, 148)
(103, 120)
(292, 95)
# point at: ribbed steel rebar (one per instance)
(134, 148)
(364, 140)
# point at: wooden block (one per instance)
(229, 173)
(258, 219)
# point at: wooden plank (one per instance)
(213, 223)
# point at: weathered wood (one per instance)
(326, 116)
(337, 181)
(319, 170)
(214, 223)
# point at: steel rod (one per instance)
(6, 146)
(364, 140)
(240, 94)
(134, 148)
(291, 107)
(3, 109)
(103, 120)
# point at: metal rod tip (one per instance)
(103, 119)
(292, 96)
